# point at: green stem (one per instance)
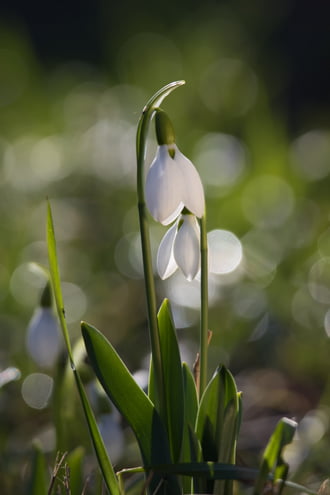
(147, 258)
(141, 140)
(204, 308)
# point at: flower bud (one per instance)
(164, 128)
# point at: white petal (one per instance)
(166, 264)
(163, 188)
(43, 340)
(193, 191)
(186, 247)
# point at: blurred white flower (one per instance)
(43, 339)
(172, 184)
(180, 247)
(112, 435)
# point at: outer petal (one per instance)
(43, 340)
(192, 187)
(186, 247)
(164, 195)
(166, 264)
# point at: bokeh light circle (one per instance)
(37, 390)
(221, 161)
(310, 155)
(268, 201)
(225, 251)
(319, 280)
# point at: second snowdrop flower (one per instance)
(180, 247)
(173, 182)
(43, 338)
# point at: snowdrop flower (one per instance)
(172, 182)
(43, 339)
(112, 435)
(180, 248)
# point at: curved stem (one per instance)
(147, 257)
(204, 308)
(141, 143)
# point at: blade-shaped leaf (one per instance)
(75, 462)
(130, 399)
(191, 448)
(272, 461)
(190, 396)
(55, 278)
(218, 421)
(100, 450)
(173, 380)
(37, 484)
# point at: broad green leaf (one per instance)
(218, 422)
(272, 461)
(173, 417)
(131, 401)
(37, 484)
(191, 449)
(190, 396)
(100, 450)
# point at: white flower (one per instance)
(180, 248)
(173, 183)
(43, 339)
(112, 435)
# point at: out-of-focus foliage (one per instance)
(67, 132)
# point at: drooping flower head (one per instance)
(172, 182)
(180, 247)
(43, 338)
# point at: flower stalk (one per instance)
(146, 254)
(141, 140)
(204, 332)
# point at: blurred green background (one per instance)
(254, 117)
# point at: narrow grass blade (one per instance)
(55, 279)
(101, 453)
(75, 462)
(109, 475)
(37, 484)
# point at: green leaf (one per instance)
(173, 416)
(191, 448)
(75, 462)
(218, 422)
(209, 470)
(55, 278)
(214, 471)
(37, 484)
(100, 450)
(190, 396)
(131, 401)
(272, 461)
(99, 447)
